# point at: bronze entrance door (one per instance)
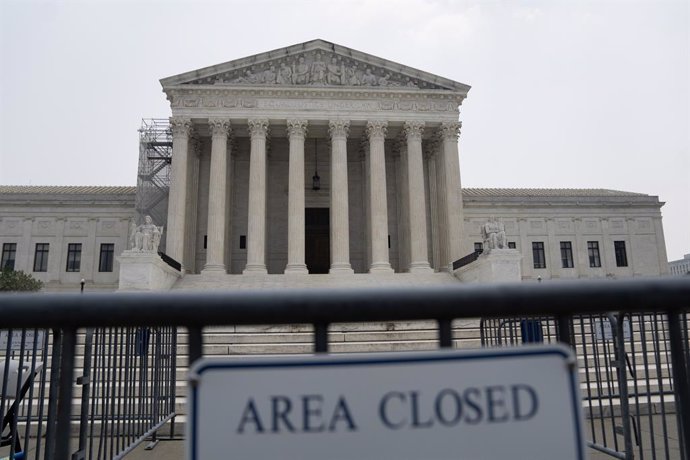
(317, 247)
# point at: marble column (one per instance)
(177, 198)
(217, 194)
(452, 211)
(419, 254)
(378, 206)
(256, 226)
(297, 130)
(340, 228)
(191, 242)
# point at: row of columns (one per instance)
(447, 179)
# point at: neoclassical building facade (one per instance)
(317, 159)
(250, 135)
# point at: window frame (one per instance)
(107, 250)
(73, 262)
(567, 260)
(621, 253)
(9, 254)
(593, 254)
(41, 254)
(538, 255)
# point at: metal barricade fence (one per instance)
(127, 379)
(625, 384)
(625, 374)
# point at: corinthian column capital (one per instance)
(413, 129)
(450, 130)
(377, 128)
(258, 127)
(339, 128)
(181, 127)
(297, 128)
(219, 127)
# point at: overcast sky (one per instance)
(564, 93)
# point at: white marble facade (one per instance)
(249, 134)
(43, 221)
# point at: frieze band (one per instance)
(316, 69)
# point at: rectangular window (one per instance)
(478, 247)
(9, 253)
(243, 241)
(105, 262)
(593, 251)
(73, 257)
(41, 257)
(205, 241)
(567, 254)
(538, 254)
(621, 255)
(511, 245)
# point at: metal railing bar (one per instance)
(64, 409)
(321, 337)
(606, 450)
(196, 343)
(343, 305)
(133, 445)
(680, 375)
(445, 333)
(53, 393)
(657, 347)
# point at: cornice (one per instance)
(295, 91)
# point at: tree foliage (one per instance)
(11, 280)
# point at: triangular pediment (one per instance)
(316, 63)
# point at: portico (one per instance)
(248, 139)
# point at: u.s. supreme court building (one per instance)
(318, 165)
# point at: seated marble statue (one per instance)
(494, 235)
(147, 236)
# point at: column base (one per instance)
(296, 269)
(341, 269)
(420, 267)
(258, 269)
(380, 267)
(214, 269)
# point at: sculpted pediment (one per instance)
(315, 64)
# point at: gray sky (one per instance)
(564, 93)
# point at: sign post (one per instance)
(489, 404)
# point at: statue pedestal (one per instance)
(496, 266)
(145, 271)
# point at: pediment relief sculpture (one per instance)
(315, 68)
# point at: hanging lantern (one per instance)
(316, 180)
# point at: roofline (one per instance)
(309, 46)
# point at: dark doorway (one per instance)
(317, 248)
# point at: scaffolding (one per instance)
(153, 177)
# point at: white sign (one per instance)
(603, 331)
(30, 336)
(518, 403)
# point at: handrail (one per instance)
(296, 306)
(170, 261)
(468, 259)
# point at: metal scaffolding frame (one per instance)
(153, 176)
